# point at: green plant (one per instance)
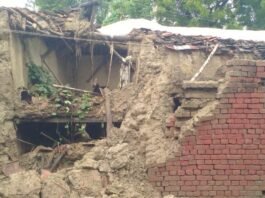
(64, 100)
(74, 106)
(84, 105)
(40, 80)
(67, 102)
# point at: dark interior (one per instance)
(32, 134)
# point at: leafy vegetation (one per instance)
(40, 80)
(206, 13)
(55, 4)
(65, 100)
(68, 103)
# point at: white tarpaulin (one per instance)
(123, 28)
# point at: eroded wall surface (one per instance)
(7, 130)
(223, 156)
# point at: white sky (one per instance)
(13, 3)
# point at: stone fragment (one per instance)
(22, 185)
(86, 182)
(55, 186)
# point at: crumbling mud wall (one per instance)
(223, 155)
(189, 62)
(7, 130)
(163, 119)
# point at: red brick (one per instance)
(189, 172)
(205, 167)
(181, 172)
(204, 142)
(255, 106)
(220, 177)
(171, 178)
(220, 188)
(193, 194)
(212, 193)
(239, 106)
(204, 178)
(187, 178)
(252, 177)
(237, 166)
(202, 157)
(254, 167)
(205, 188)
(155, 178)
(188, 188)
(236, 172)
(206, 172)
(220, 166)
(236, 192)
(165, 183)
(172, 188)
(160, 188)
(236, 177)
(227, 183)
(171, 173)
(197, 172)
(220, 172)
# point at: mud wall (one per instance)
(85, 71)
(7, 130)
(224, 155)
(184, 64)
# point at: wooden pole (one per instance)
(58, 160)
(205, 63)
(72, 89)
(110, 63)
(108, 111)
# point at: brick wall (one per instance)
(225, 156)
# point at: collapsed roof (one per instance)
(45, 22)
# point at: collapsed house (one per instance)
(168, 126)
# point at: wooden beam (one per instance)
(108, 112)
(73, 89)
(64, 120)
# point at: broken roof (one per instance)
(125, 27)
(68, 24)
(64, 23)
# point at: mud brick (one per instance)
(181, 113)
(244, 62)
(155, 178)
(172, 188)
(260, 64)
(249, 69)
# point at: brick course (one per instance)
(224, 157)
